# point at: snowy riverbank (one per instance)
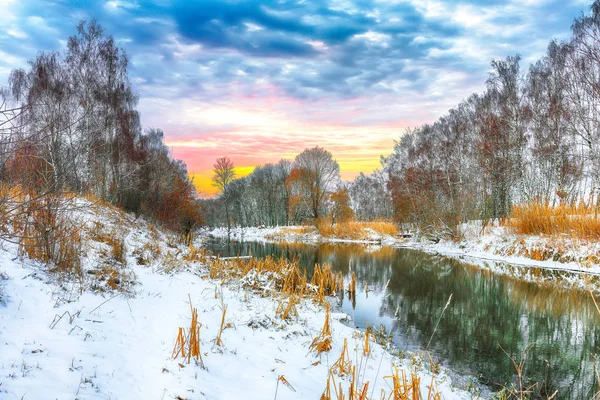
(84, 338)
(493, 244)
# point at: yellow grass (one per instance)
(288, 276)
(343, 365)
(292, 231)
(187, 344)
(349, 230)
(578, 221)
(47, 237)
(219, 342)
(356, 230)
(322, 343)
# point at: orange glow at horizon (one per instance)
(348, 171)
(204, 184)
(254, 131)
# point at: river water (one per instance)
(489, 316)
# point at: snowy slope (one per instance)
(58, 343)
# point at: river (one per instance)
(490, 316)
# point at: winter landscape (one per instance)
(300, 200)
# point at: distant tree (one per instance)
(224, 174)
(341, 210)
(370, 197)
(319, 174)
(283, 171)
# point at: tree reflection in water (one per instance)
(489, 312)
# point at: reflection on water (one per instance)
(489, 313)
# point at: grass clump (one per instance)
(355, 230)
(117, 249)
(187, 344)
(580, 221)
(46, 235)
(322, 343)
(272, 275)
(111, 277)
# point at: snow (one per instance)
(57, 342)
(290, 234)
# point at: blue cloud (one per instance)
(308, 49)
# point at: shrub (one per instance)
(48, 236)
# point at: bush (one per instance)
(48, 237)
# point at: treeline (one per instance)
(531, 136)
(70, 124)
(307, 189)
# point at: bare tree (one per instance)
(319, 175)
(224, 174)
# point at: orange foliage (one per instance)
(178, 208)
(27, 168)
(341, 210)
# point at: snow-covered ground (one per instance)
(292, 234)
(499, 244)
(65, 340)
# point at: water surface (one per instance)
(490, 315)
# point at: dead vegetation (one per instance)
(579, 221)
(347, 230)
(356, 230)
(47, 234)
(187, 344)
(322, 343)
(281, 276)
(111, 278)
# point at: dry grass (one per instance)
(349, 230)
(112, 277)
(291, 232)
(402, 386)
(356, 230)
(195, 254)
(322, 343)
(117, 249)
(284, 275)
(219, 342)
(294, 288)
(579, 221)
(48, 237)
(343, 365)
(187, 344)
(147, 253)
(327, 282)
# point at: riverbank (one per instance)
(111, 330)
(493, 243)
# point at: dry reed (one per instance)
(356, 230)
(580, 221)
(322, 343)
(219, 342)
(187, 344)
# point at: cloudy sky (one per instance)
(260, 81)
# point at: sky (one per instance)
(261, 81)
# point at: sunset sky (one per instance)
(260, 81)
